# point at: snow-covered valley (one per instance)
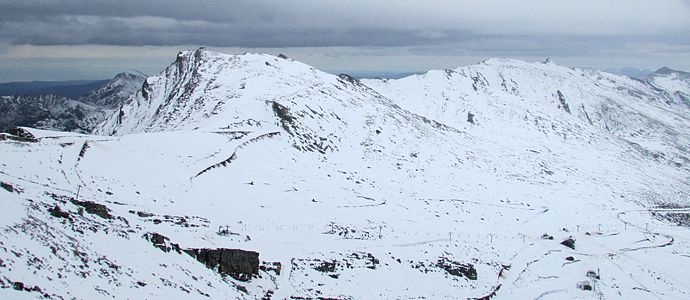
(454, 184)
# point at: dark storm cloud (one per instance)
(302, 23)
(74, 38)
(166, 32)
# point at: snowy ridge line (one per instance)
(234, 153)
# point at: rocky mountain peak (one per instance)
(664, 70)
(115, 91)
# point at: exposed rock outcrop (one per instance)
(94, 208)
(569, 242)
(457, 269)
(162, 242)
(239, 264)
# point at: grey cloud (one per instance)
(298, 23)
(80, 30)
(385, 34)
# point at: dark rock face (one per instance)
(678, 218)
(348, 78)
(82, 152)
(370, 261)
(8, 187)
(457, 269)
(20, 286)
(59, 111)
(274, 267)
(287, 121)
(94, 208)
(161, 242)
(326, 266)
(115, 91)
(239, 264)
(569, 242)
(57, 212)
(563, 104)
(46, 112)
(22, 133)
(470, 117)
(19, 134)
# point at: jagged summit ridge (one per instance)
(194, 88)
(210, 91)
(207, 90)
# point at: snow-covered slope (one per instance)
(111, 95)
(353, 190)
(550, 100)
(676, 83)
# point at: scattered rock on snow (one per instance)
(94, 208)
(569, 242)
(457, 269)
(161, 242)
(57, 212)
(239, 264)
(274, 267)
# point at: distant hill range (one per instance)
(64, 105)
(69, 89)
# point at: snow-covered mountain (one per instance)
(676, 83)
(555, 102)
(81, 114)
(118, 89)
(259, 177)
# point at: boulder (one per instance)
(569, 242)
(237, 263)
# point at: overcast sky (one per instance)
(93, 39)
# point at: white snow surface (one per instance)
(676, 83)
(359, 189)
